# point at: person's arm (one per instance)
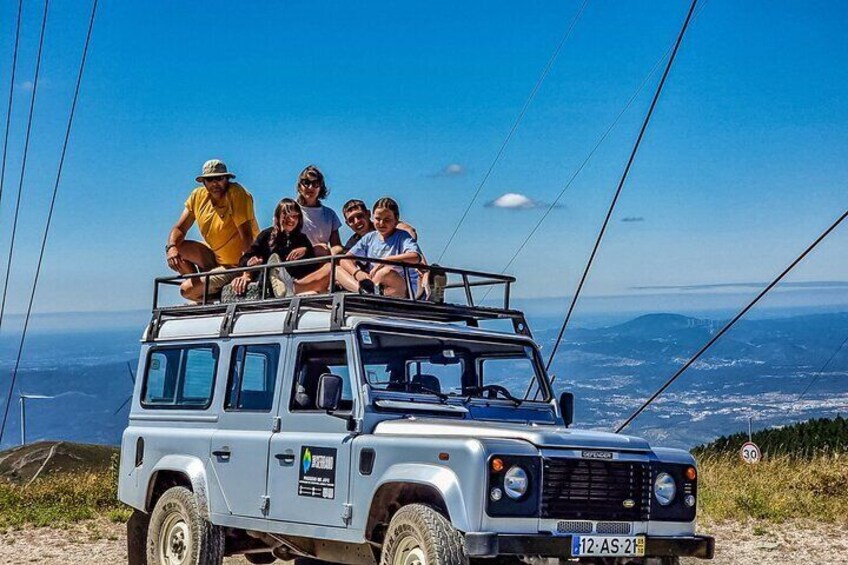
(359, 249)
(243, 215)
(408, 228)
(177, 236)
(246, 234)
(410, 252)
(336, 247)
(409, 257)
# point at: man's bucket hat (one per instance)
(214, 168)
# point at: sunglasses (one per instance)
(306, 183)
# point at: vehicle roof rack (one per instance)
(342, 303)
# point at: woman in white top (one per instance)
(320, 223)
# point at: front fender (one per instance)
(443, 480)
(193, 469)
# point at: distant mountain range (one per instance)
(759, 369)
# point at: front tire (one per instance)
(179, 535)
(418, 535)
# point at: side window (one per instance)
(314, 360)
(180, 377)
(253, 374)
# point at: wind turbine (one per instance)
(23, 398)
(127, 401)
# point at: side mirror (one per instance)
(329, 392)
(566, 406)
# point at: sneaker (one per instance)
(440, 280)
(284, 282)
(366, 286)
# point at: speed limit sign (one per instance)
(750, 452)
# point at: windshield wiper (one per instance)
(494, 391)
(443, 398)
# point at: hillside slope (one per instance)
(21, 465)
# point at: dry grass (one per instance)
(776, 489)
(61, 499)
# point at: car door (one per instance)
(239, 448)
(309, 466)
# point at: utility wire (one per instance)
(11, 96)
(515, 126)
(24, 161)
(821, 370)
(735, 319)
(591, 154)
(49, 216)
(621, 183)
(579, 169)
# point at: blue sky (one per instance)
(743, 165)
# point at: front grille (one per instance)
(592, 489)
(620, 528)
(574, 527)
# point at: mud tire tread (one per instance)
(441, 542)
(208, 538)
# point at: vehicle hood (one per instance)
(541, 436)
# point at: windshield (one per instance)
(449, 366)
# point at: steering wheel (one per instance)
(492, 391)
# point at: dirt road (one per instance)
(738, 544)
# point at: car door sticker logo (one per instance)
(317, 472)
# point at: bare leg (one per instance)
(393, 284)
(344, 275)
(320, 275)
(321, 250)
(314, 284)
(196, 257)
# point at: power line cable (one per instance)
(621, 183)
(11, 96)
(514, 127)
(730, 324)
(24, 161)
(818, 373)
(590, 155)
(49, 216)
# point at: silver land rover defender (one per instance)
(360, 429)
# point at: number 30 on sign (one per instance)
(750, 452)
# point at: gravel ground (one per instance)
(743, 544)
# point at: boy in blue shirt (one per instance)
(386, 242)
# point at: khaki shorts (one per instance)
(217, 282)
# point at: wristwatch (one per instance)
(169, 245)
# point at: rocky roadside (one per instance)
(751, 543)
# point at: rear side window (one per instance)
(180, 377)
(253, 374)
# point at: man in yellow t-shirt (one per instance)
(224, 214)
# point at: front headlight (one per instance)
(664, 489)
(516, 482)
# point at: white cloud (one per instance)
(451, 170)
(26, 85)
(514, 201)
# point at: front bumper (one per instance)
(485, 544)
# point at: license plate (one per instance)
(608, 546)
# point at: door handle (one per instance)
(285, 458)
(223, 453)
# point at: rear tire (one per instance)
(418, 535)
(179, 535)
